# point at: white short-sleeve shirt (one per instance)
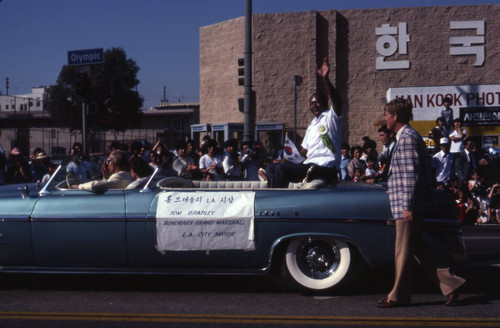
(207, 161)
(317, 152)
(457, 146)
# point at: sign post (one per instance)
(83, 59)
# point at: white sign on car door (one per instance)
(205, 220)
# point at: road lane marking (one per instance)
(255, 319)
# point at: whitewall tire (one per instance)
(317, 263)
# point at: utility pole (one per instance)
(247, 101)
(297, 80)
(6, 86)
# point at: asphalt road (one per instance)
(236, 301)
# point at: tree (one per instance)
(109, 91)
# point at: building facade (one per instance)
(422, 54)
(25, 123)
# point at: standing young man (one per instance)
(410, 186)
(447, 113)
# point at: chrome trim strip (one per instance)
(4, 218)
(132, 271)
(78, 218)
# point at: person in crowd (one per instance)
(441, 162)
(364, 141)
(321, 143)
(344, 160)
(77, 168)
(231, 161)
(161, 149)
(209, 163)
(51, 168)
(494, 206)
(358, 175)
(115, 171)
(184, 164)
(388, 140)
(250, 160)
(355, 163)
(371, 172)
(465, 161)
(166, 161)
(136, 150)
(154, 159)
(457, 136)
(410, 187)
(139, 168)
(477, 187)
(472, 212)
(204, 145)
(369, 148)
(454, 187)
(39, 165)
(262, 169)
(140, 171)
(447, 114)
(19, 171)
(90, 164)
(439, 131)
(193, 153)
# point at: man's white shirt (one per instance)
(317, 152)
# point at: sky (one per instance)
(162, 36)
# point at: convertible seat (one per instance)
(313, 184)
(230, 184)
(175, 182)
(139, 183)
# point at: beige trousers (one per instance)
(410, 245)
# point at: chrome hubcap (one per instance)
(318, 259)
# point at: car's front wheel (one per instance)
(317, 263)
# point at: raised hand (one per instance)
(324, 69)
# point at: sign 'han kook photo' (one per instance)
(476, 105)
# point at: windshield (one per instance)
(62, 180)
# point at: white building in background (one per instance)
(26, 123)
(36, 101)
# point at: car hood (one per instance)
(10, 190)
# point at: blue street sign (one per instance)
(85, 57)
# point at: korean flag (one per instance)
(291, 153)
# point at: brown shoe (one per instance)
(453, 298)
(388, 303)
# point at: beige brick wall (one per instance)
(289, 44)
(220, 47)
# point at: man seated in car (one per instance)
(115, 171)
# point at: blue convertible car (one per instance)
(320, 237)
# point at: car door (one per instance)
(191, 259)
(16, 206)
(80, 228)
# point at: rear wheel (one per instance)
(317, 263)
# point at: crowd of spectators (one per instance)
(469, 174)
